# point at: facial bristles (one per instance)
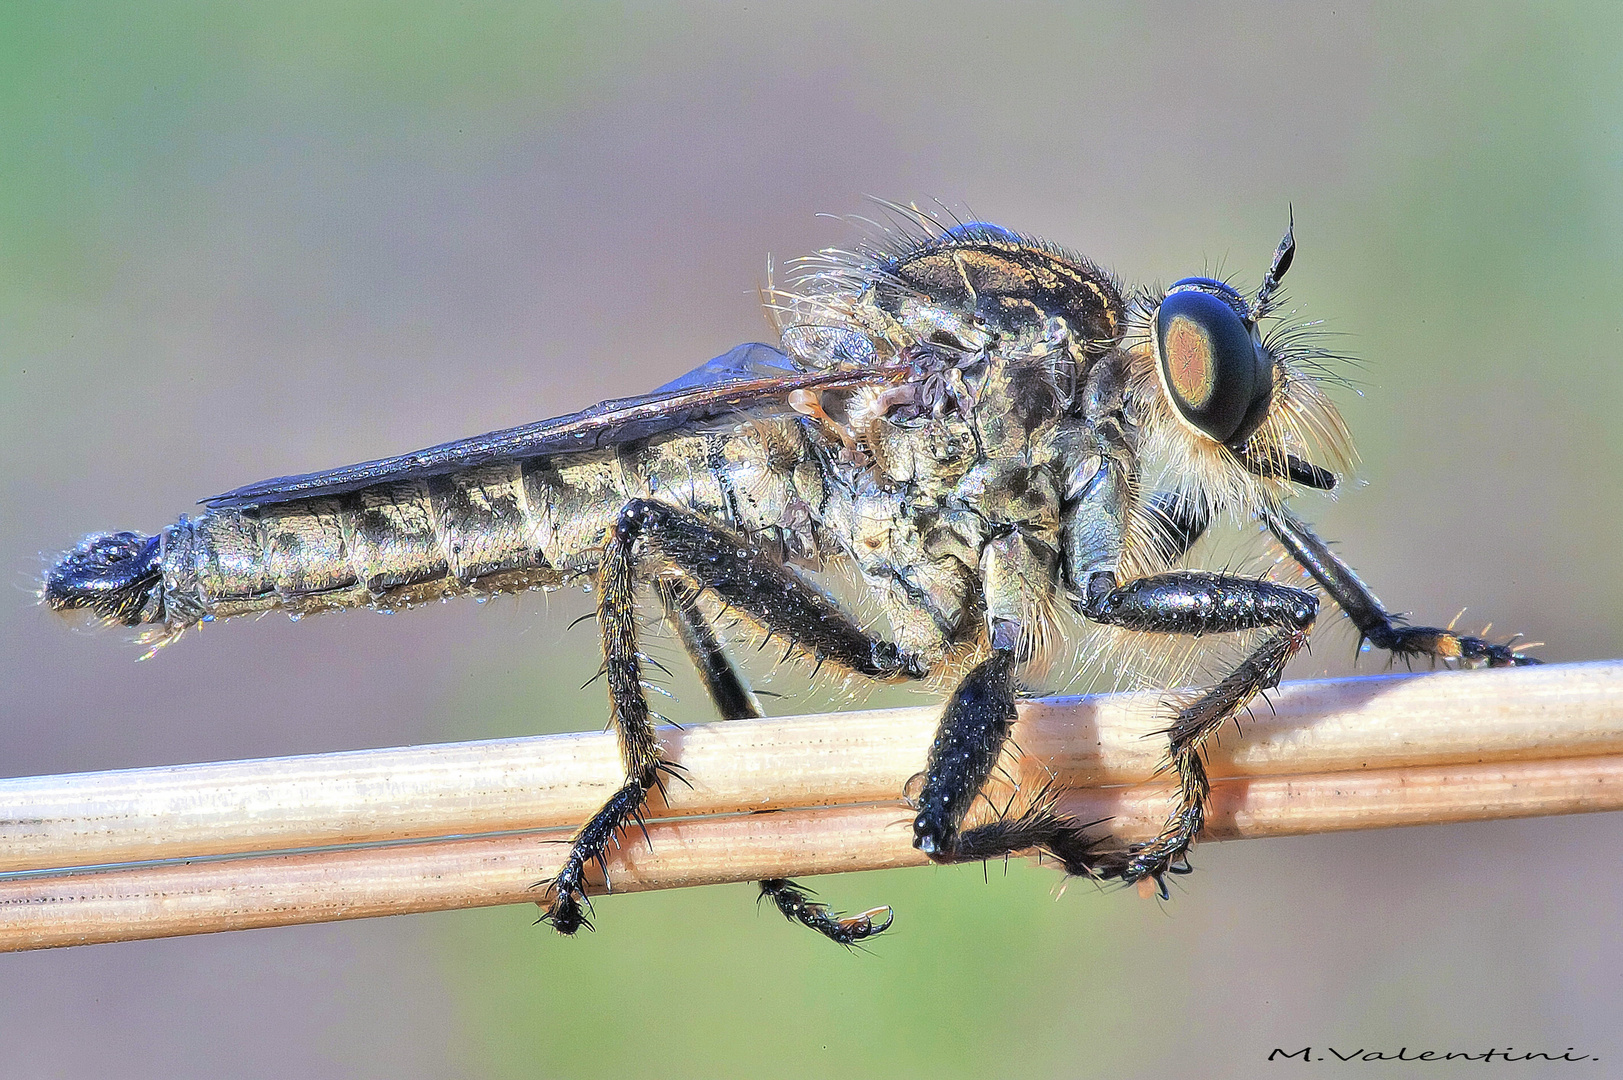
(1304, 423)
(1301, 423)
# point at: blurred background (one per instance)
(237, 243)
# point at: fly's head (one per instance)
(1232, 411)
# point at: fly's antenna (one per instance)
(1283, 254)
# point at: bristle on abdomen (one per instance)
(116, 576)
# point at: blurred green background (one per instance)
(242, 242)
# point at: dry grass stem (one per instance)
(1331, 755)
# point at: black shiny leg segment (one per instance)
(1194, 724)
(728, 691)
(968, 743)
(1380, 628)
(639, 748)
(745, 578)
(733, 701)
(795, 903)
(568, 909)
(771, 595)
(1194, 602)
(1182, 522)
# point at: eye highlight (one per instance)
(1218, 377)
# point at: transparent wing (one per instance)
(748, 376)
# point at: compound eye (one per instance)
(1211, 367)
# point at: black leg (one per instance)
(968, 744)
(1194, 602)
(1182, 521)
(733, 701)
(745, 578)
(763, 590)
(794, 901)
(1374, 623)
(726, 687)
(639, 749)
(1194, 724)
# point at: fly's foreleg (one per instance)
(1182, 522)
(733, 700)
(1192, 602)
(1374, 623)
(745, 578)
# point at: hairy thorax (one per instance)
(953, 519)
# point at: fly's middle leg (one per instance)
(1018, 571)
(1194, 602)
(745, 578)
(968, 744)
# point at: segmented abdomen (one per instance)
(389, 545)
(498, 528)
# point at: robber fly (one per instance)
(960, 417)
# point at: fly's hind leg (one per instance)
(796, 904)
(728, 691)
(628, 705)
(1194, 602)
(734, 701)
(744, 577)
(1377, 626)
